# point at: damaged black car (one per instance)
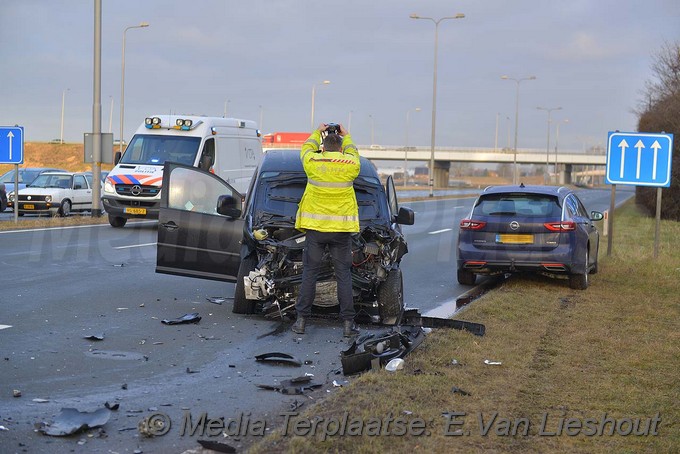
(207, 230)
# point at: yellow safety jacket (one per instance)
(329, 203)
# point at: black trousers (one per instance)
(340, 246)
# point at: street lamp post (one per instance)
(122, 85)
(546, 176)
(408, 113)
(517, 81)
(111, 116)
(434, 88)
(325, 82)
(370, 116)
(63, 101)
(557, 139)
(226, 106)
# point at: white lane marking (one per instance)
(135, 245)
(5, 326)
(439, 231)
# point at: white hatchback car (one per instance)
(55, 193)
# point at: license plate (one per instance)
(131, 210)
(29, 206)
(510, 238)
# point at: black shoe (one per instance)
(350, 328)
(299, 326)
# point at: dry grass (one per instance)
(614, 349)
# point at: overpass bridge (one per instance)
(444, 156)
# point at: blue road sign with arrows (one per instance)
(640, 159)
(11, 144)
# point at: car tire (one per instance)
(65, 209)
(117, 221)
(466, 277)
(241, 304)
(391, 298)
(594, 268)
(580, 281)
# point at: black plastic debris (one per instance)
(216, 446)
(296, 385)
(294, 405)
(184, 319)
(71, 420)
(457, 390)
(377, 351)
(279, 358)
(111, 407)
(94, 337)
(412, 317)
(216, 299)
(192, 371)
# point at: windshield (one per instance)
(51, 181)
(153, 149)
(278, 195)
(511, 204)
(25, 176)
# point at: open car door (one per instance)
(200, 225)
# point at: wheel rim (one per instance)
(65, 208)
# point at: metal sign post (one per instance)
(639, 159)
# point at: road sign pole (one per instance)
(16, 193)
(657, 230)
(610, 221)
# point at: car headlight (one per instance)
(10, 197)
(48, 198)
(109, 187)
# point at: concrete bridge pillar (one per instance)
(441, 174)
(566, 176)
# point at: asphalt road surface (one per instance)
(61, 285)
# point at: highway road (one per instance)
(60, 285)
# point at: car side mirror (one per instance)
(205, 163)
(596, 216)
(116, 157)
(228, 205)
(405, 216)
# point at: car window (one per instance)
(79, 179)
(572, 206)
(153, 149)
(529, 205)
(195, 191)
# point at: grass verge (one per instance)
(569, 358)
(41, 222)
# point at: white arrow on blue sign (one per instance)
(640, 159)
(11, 144)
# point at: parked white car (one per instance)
(55, 193)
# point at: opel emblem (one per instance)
(136, 190)
(514, 225)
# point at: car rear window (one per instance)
(529, 205)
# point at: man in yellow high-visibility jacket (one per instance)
(329, 214)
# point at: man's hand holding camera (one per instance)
(332, 128)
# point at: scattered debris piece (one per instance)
(279, 358)
(186, 318)
(71, 420)
(394, 365)
(296, 385)
(191, 371)
(457, 390)
(366, 356)
(294, 405)
(407, 412)
(16, 392)
(492, 363)
(216, 446)
(120, 266)
(455, 362)
(216, 299)
(94, 337)
(340, 384)
(113, 407)
(3, 428)
(123, 386)
(40, 401)
(5, 326)
(412, 317)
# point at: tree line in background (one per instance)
(659, 111)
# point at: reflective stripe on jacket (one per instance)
(329, 203)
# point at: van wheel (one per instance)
(391, 298)
(117, 221)
(466, 277)
(241, 304)
(65, 209)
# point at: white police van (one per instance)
(229, 147)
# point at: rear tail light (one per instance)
(469, 224)
(474, 264)
(563, 226)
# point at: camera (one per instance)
(333, 128)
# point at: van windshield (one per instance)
(154, 149)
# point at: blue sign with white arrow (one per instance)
(11, 144)
(640, 159)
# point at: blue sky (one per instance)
(262, 58)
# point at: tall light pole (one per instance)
(546, 176)
(349, 122)
(434, 88)
(325, 82)
(517, 81)
(63, 102)
(111, 116)
(122, 84)
(408, 114)
(370, 117)
(557, 139)
(226, 106)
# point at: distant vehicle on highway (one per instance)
(376, 147)
(26, 176)
(55, 193)
(538, 229)
(59, 141)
